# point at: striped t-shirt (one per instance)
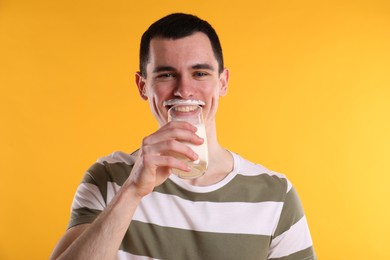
(253, 213)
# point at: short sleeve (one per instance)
(291, 239)
(89, 199)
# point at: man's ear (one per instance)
(224, 80)
(140, 81)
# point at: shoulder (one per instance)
(114, 167)
(259, 173)
(117, 157)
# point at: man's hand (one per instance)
(155, 157)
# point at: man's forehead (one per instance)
(193, 51)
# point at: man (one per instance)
(132, 207)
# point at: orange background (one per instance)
(309, 97)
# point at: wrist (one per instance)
(131, 191)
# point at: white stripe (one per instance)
(122, 255)
(228, 217)
(241, 166)
(256, 170)
(201, 189)
(289, 186)
(248, 168)
(88, 195)
(295, 239)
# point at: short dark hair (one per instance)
(176, 26)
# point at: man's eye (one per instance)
(200, 74)
(165, 75)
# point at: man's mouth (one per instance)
(183, 108)
(185, 105)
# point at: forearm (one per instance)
(102, 238)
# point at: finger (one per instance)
(152, 161)
(171, 147)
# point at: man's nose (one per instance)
(184, 88)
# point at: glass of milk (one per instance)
(191, 112)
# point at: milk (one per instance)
(199, 166)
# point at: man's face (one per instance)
(183, 69)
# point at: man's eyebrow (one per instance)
(195, 67)
(163, 68)
(203, 66)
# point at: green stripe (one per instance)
(99, 174)
(306, 254)
(258, 188)
(109, 172)
(82, 216)
(292, 212)
(172, 243)
(242, 188)
(119, 172)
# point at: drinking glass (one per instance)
(192, 113)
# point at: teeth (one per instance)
(172, 102)
(185, 108)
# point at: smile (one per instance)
(183, 102)
(185, 108)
